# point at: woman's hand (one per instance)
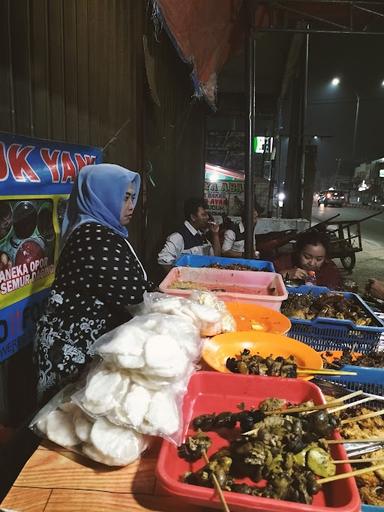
(295, 273)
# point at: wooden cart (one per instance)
(345, 239)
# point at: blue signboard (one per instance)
(36, 177)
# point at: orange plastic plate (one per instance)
(252, 317)
(216, 350)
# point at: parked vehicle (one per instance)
(331, 198)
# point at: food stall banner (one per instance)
(224, 197)
(36, 177)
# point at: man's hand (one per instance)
(213, 227)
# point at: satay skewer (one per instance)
(349, 474)
(216, 484)
(300, 409)
(313, 371)
(352, 404)
(357, 461)
(359, 440)
(318, 407)
(362, 417)
(291, 410)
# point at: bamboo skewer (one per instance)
(356, 472)
(358, 402)
(300, 409)
(355, 461)
(363, 417)
(217, 485)
(291, 410)
(319, 407)
(354, 394)
(359, 440)
(313, 371)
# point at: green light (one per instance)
(254, 144)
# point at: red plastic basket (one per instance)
(216, 392)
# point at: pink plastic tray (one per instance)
(264, 288)
(210, 392)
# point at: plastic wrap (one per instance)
(144, 374)
(135, 388)
(153, 344)
(63, 422)
(228, 323)
(208, 314)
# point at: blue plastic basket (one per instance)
(369, 380)
(189, 260)
(333, 334)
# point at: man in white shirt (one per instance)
(234, 236)
(191, 238)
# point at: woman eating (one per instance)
(98, 274)
(309, 262)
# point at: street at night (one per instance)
(370, 262)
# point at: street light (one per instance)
(382, 83)
(335, 82)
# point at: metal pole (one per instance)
(248, 168)
(355, 128)
(320, 31)
(304, 119)
(11, 79)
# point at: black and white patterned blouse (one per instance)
(96, 277)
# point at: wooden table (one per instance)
(58, 480)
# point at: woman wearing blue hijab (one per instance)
(98, 274)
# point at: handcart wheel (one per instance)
(349, 261)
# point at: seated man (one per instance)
(191, 237)
(234, 236)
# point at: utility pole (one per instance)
(355, 127)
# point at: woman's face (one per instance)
(312, 257)
(128, 206)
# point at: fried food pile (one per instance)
(371, 485)
(237, 266)
(248, 364)
(288, 451)
(372, 360)
(188, 285)
(328, 305)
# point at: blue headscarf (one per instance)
(97, 196)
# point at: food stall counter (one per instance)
(55, 479)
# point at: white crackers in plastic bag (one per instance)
(64, 423)
(206, 311)
(161, 350)
(136, 389)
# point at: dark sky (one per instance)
(359, 63)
